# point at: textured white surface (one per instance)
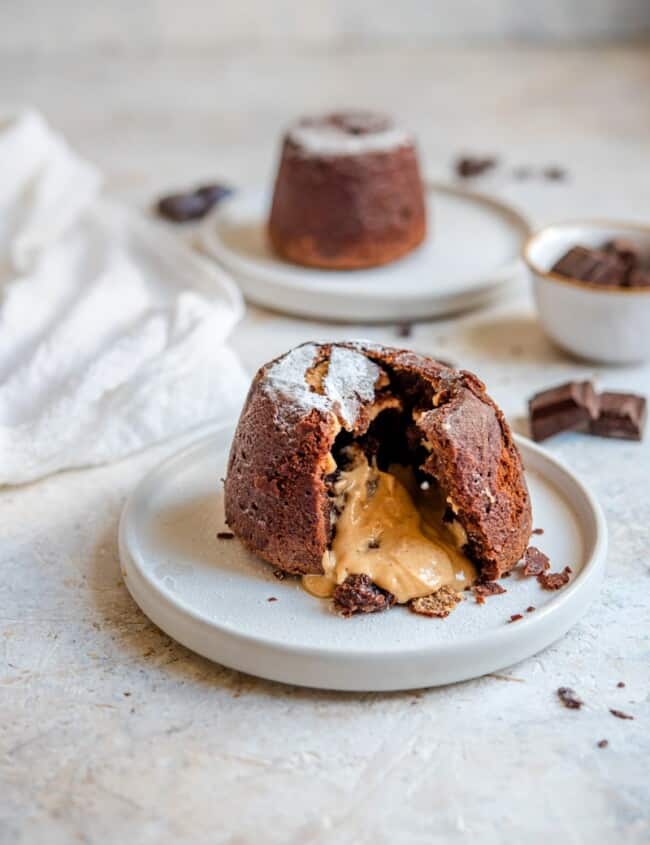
(111, 733)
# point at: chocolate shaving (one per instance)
(271, 598)
(569, 698)
(535, 562)
(515, 617)
(438, 604)
(554, 580)
(225, 535)
(620, 714)
(358, 594)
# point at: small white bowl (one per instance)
(599, 322)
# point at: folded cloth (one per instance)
(112, 333)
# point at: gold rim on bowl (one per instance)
(567, 280)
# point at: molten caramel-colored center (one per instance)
(392, 531)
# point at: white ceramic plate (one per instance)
(469, 256)
(212, 596)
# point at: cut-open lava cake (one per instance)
(378, 475)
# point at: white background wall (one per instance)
(58, 25)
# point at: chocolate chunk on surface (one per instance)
(621, 415)
(592, 265)
(535, 562)
(603, 743)
(515, 617)
(620, 714)
(469, 166)
(569, 698)
(180, 208)
(567, 407)
(438, 604)
(358, 594)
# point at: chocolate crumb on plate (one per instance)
(555, 580)
(515, 617)
(191, 205)
(225, 535)
(438, 604)
(567, 407)
(554, 173)
(621, 415)
(620, 684)
(603, 743)
(569, 698)
(358, 594)
(470, 166)
(404, 329)
(530, 608)
(620, 714)
(535, 562)
(488, 588)
(272, 598)
(537, 531)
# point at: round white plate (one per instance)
(472, 252)
(213, 596)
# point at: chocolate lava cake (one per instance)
(377, 474)
(348, 193)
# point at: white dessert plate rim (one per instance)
(188, 625)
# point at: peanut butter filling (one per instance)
(392, 531)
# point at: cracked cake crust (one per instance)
(278, 490)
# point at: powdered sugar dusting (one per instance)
(350, 381)
(330, 140)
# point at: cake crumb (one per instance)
(225, 535)
(279, 574)
(438, 604)
(271, 598)
(620, 684)
(620, 714)
(569, 698)
(530, 608)
(515, 617)
(603, 743)
(555, 580)
(535, 562)
(537, 531)
(358, 594)
(487, 588)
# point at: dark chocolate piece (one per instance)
(358, 594)
(569, 698)
(622, 415)
(639, 279)
(603, 743)
(620, 684)
(515, 617)
(488, 588)
(225, 535)
(568, 407)
(592, 265)
(470, 166)
(192, 205)
(625, 250)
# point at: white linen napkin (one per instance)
(112, 333)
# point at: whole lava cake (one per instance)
(348, 193)
(378, 475)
